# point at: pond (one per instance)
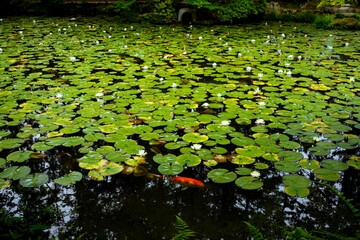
(140, 131)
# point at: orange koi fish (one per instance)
(190, 182)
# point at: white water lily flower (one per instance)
(145, 67)
(1, 50)
(20, 32)
(200, 38)
(290, 57)
(99, 94)
(352, 79)
(205, 105)
(161, 79)
(125, 29)
(226, 44)
(253, 41)
(255, 174)
(125, 46)
(229, 49)
(72, 59)
(280, 71)
(59, 95)
(220, 38)
(196, 146)
(214, 64)
(218, 95)
(174, 85)
(346, 44)
(257, 91)
(288, 73)
(260, 75)
(259, 121)
(261, 103)
(142, 153)
(239, 54)
(248, 69)
(184, 53)
(283, 35)
(316, 139)
(287, 64)
(225, 123)
(299, 57)
(109, 36)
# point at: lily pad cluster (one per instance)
(127, 98)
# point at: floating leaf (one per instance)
(4, 183)
(334, 165)
(15, 172)
(69, 178)
(195, 137)
(243, 160)
(290, 156)
(296, 181)
(170, 168)
(11, 143)
(189, 160)
(19, 156)
(249, 183)
(33, 180)
(354, 162)
(250, 151)
(312, 164)
(243, 171)
(287, 166)
(300, 192)
(221, 175)
(326, 174)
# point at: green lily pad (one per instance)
(290, 156)
(250, 151)
(334, 165)
(319, 151)
(195, 137)
(110, 169)
(188, 159)
(73, 141)
(15, 172)
(117, 156)
(300, 192)
(261, 166)
(326, 174)
(243, 171)
(19, 156)
(221, 175)
(312, 164)
(4, 183)
(354, 162)
(33, 180)
(170, 168)
(287, 166)
(296, 181)
(11, 143)
(69, 178)
(249, 183)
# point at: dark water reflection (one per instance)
(127, 207)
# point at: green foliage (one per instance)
(346, 23)
(162, 11)
(335, 2)
(123, 9)
(324, 21)
(306, 17)
(255, 233)
(230, 11)
(184, 232)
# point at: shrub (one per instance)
(346, 23)
(306, 17)
(324, 21)
(163, 12)
(230, 11)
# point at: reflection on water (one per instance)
(126, 207)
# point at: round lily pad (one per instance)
(296, 181)
(334, 165)
(188, 159)
(195, 137)
(250, 151)
(33, 180)
(249, 183)
(15, 172)
(11, 143)
(19, 156)
(170, 168)
(290, 156)
(69, 178)
(243, 171)
(300, 192)
(326, 174)
(309, 164)
(221, 175)
(168, 158)
(287, 166)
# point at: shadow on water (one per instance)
(127, 207)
